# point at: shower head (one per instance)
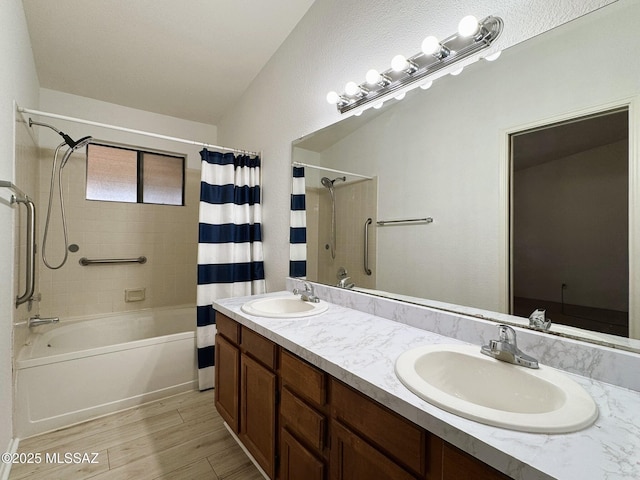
(83, 142)
(329, 183)
(67, 139)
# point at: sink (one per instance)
(460, 380)
(283, 307)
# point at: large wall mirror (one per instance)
(522, 166)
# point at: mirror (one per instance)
(444, 154)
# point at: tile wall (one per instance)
(166, 235)
(355, 202)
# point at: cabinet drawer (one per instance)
(396, 436)
(302, 419)
(303, 378)
(228, 328)
(259, 348)
(352, 458)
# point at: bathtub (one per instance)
(85, 367)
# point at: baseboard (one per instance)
(5, 468)
(244, 449)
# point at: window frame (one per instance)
(140, 152)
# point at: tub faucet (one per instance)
(36, 320)
(506, 349)
(308, 294)
(539, 321)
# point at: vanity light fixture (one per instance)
(472, 37)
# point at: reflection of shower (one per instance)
(329, 184)
(72, 147)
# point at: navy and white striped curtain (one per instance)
(298, 226)
(230, 258)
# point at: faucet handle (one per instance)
(507, 334)
(539, 320)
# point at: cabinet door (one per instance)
(353, 458)
(458, 465)
(258, 407)
(296, 462)
(227, 381)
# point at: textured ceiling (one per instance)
(189, 59)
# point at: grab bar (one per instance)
(20, 197)
(84, 261)
(31, 251)
(407, 220)
(367, 270)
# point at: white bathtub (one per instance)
(85, 367)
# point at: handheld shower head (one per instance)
(83, 142)
(329, 183)
(326, 182)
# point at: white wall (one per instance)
(53, 101)
(571, 228)
(335, 42)
(19, 82)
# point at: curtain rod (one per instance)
(131, 130)
(317, 167)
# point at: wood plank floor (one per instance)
(177, 438)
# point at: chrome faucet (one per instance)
(36, 320)
(345, 283)
(506, 349)
(539, 321)
(308, 294)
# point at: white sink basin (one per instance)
(461, 380)
(283, 307)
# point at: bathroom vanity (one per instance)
(317, 398)
(299, 422)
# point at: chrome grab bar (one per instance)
(31, 251)
(367, 270)
(407, 220)
(84, 261)
(20, 197)
(20, 194)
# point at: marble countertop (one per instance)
(360, 349)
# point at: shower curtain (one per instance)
(230, 259)
(298, 226)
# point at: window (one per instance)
(121, 174)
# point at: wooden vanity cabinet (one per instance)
(227, 367)
(246, 388)
(368, 437)
(299, 423)
(303, 420)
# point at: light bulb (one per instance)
(431, 46)
(493, 56)
(358, 113)
(378, 105)
(333, 98)
(457, 71)
(426, 85)
(468, 26)
(399, 63)
(351, 88)
(373, 77)
(400, 96)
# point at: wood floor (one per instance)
(177, 438)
